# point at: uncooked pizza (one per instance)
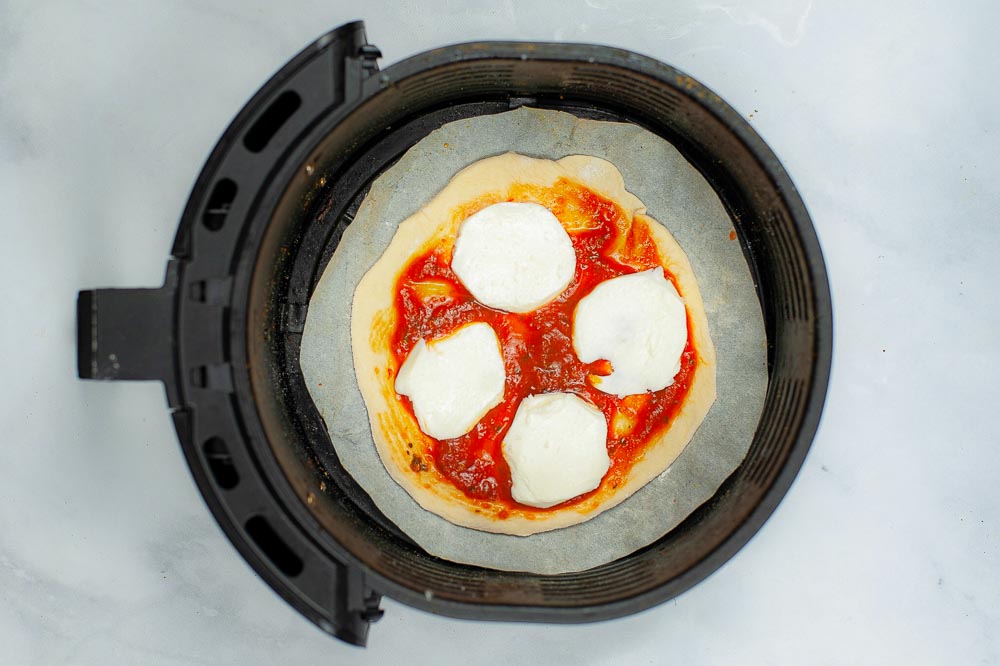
(532, 348)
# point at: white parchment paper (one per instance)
(676, 195)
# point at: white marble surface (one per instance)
(887, 548)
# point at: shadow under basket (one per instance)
(266, 214)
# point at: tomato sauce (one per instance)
(538, 346)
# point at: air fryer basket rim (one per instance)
(222, 285)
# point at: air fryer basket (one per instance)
(263, 219)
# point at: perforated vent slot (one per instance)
(220, 463)
(219, 203)
(276, 115)
(273, 547)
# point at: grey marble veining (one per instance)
(887, 548)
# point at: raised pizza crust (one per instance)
(400, 443)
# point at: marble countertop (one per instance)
(886, 549)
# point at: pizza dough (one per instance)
(676, 193)
(398, 438)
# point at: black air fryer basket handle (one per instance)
(128, 333)
(180, 334)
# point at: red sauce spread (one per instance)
(538, 346)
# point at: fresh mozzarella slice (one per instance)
(556, 448)
(514, 256)
(639, 324)
(453, 381)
